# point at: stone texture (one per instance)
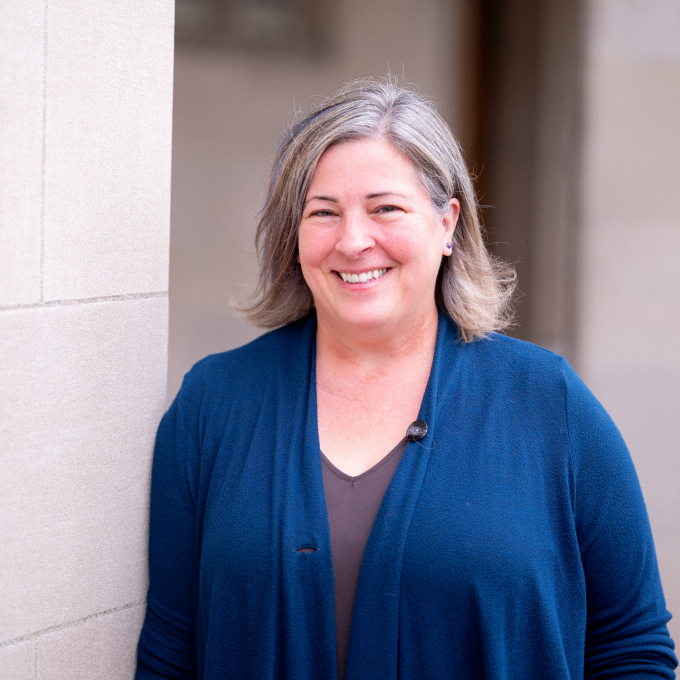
(107, 165)
(81, 395)
(21, 142)
(102, 647)
(17, 661)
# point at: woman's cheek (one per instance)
(315, 247)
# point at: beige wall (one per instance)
(84, 216)
(629, 292)
(230, 111)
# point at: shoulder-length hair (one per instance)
(473, 288)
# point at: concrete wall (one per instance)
(230, 111)
(629, 291)
(84, 219)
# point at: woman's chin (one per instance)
(367, 320)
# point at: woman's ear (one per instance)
(451, 217)
(449, 222)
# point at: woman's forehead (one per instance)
(374, 166)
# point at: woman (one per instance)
(295, 490)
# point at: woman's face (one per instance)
(370, 240)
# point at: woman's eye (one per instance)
(322, 213)
(387, 208)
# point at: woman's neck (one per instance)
(378, 355)
(368, 393)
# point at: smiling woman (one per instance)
(472, 287)
(385, 487)
(366, 209)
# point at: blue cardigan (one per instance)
(512, 543)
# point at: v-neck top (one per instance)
(352, 504)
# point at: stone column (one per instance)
(85, 120)
(629, 291)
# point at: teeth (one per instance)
(363, 277)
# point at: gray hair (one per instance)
(473, 288)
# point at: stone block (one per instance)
(21, 145)
(17, 661)
(81, 394)
(108, 132)
(102, 647)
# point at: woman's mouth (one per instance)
(362, 277)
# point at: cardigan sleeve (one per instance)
(167, 647)
(626, 633)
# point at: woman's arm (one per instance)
(167, 647)
(626, 634)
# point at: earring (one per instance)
(449, 245)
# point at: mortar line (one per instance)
(86, 301)
(69, 624)
(44, 155)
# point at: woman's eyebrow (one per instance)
(377, 194)
(321, 198)
(386, 193)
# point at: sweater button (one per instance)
(416, 430)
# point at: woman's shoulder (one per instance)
(543, 382)
(525, 378)
(503, 358)
(265, 348)
(251, 365)
(504, 347)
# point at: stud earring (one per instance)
(449, 245)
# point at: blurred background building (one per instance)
(567, 111)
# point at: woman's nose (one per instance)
(356, 235)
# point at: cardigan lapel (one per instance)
(373, 646)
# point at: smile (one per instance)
(363, 276)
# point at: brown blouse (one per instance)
(352, 504)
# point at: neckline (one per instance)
(348, 478)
